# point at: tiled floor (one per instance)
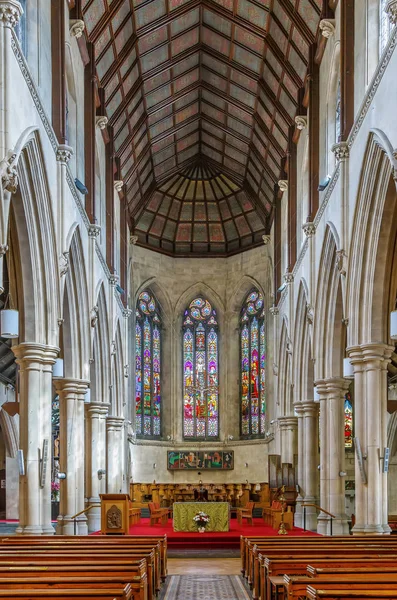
(204, 566)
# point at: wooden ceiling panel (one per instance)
(200, 95)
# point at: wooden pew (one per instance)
(313, 594)
(62, 594)
(295, 586)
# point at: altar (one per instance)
(218, 512)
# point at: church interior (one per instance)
(198, 299)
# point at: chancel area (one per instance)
(198, 299)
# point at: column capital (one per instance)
(341, 151)
(288, 277)
(336, 385)
(298, 408)
(301, 122)
(115, 423)
(94, 230)
(309, 229)
(310, 408)
(391, 10)
(362, 354)
(76, 28)
(10, 12)
(266, 238)
(70, 386)
(283, 185)
(64, 153)
(101, 122)
(97, 409)
(30, 352)
(327, 27)
(290, 422)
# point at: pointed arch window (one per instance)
(348, 421)
(200, 371)
(148, 366)
(253, 366)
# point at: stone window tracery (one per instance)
(253, 366)
(200, 371)
(147, 366)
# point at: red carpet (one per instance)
(227, 539)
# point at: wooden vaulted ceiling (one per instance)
(205, 91)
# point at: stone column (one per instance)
(332, 455)
(96, 421)
(298, 516)
(71, 436)
(370, 427)
(35, 395)
(311, 460)
(115, 454)
(289, 441)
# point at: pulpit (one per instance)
(115, 509)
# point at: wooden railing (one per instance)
(331, 516)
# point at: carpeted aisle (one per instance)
(227, 539)
(205, 587)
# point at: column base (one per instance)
(94, 516)
(48, 530)
(359, 529)
(32, 530)
(386, 529)
(82, 528)
(298, 516)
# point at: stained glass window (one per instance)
(348, 421)
(147, 366)
(200, 371)
(253, 365)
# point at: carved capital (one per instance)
(10, 12)
(288, 277)
(113, 280)
(266, 239)
(64, 154)
(283, 185)
(94, 231)
(101, 122)
(64, 263)
(300, 122)
(76, 28)
(133, 239)
(391, 10)
(127, 312)
(118, 185)
(341, 261)
(341, 151)
(8, 172)
(274, 311)
(327, 27)
(94, 315)
(309, 229)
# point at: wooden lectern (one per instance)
(115, 513)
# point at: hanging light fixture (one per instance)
(393, 324)
(57, 369)
(9, 323)
(348, 371)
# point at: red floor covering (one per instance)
(227, 539)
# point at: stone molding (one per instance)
(114, 423)
(298, 408)
(375, 353)
(301, 122)
(76, 28)
(64, 153)
(310, 408)
(9, 173)
(118, 185)
(94, 230)
(288, 422)
(98, 409)
(69, 386)
(309, 229)
(288, 277)
(283, 185)
(341, 151)
(101, 122)
(266, 239)
(391, 10)
(327, 27)
(10, 12)
(28, 352)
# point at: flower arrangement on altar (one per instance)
(202, 519)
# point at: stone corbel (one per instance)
(76, 28)
(10, 12)
(327, 27)
(8, 172)
(64, 153)
(63, 264)
(309, 314)
(391, 10)
(127, 312)
(94, 316)
(113, 280)
(283, 185)
(341, 151)
(266, 239)
(309, 229)
(300, 125)
(101, 122)
(118, 185)
(274, 311)
(133, 239)
(288, 277)
(94, 231)
(341, 261)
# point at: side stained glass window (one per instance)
(147, 366)
(253, 366)
(348, 421)
(200, 371)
